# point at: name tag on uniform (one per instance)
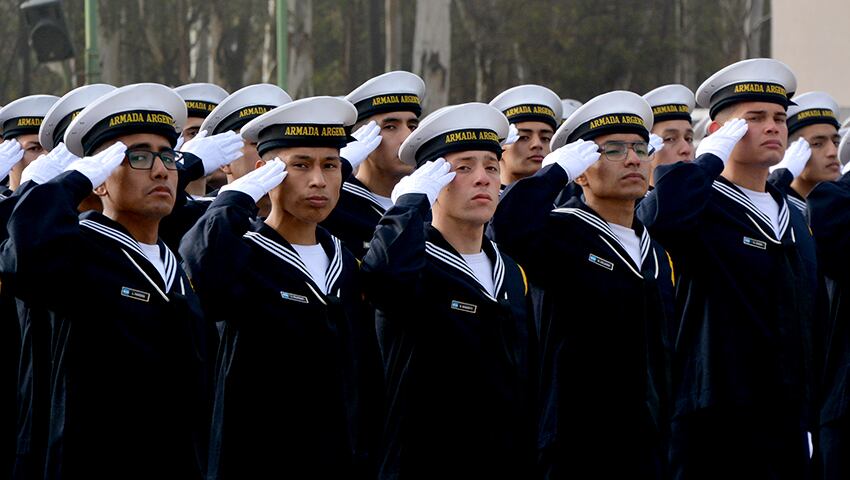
(600, 261)
(752, 242)
(135, 294)
(464, 307)
(294, 297)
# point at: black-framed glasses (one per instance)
(617, 151)
(143, 159)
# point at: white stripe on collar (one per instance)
(801, 205)
(742, 199)
(363, 193)
(600, 225)
(456, 262)
(169, 260)
(498, 270)
(291, 257)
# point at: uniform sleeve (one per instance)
(392, 269)
(781, 178)
(45, 254)
(829, 216)
(215, 255)
(522, 215)
(682, 191)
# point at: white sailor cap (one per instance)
(811, 108)
(613, 112)
(309, 122)
(458, 128)
(244, 105)
(24, 115)
(753, 80)
(568, 106)
(529, 103)
(671, 102)
(397, 91)
(201, 98)
(137, 108)
(59, 116)
(844, 149)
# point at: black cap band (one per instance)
(811, 116)
(239, 118)
(459, 141)
(59, 131)
(15, 127)
(199, 108)
(391, 102)
(749, 92)
(128, 123)
(671, 111)
(610, 123)
(532, 113)
(301, 135)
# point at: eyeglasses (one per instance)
(143, 159)
(617, 151)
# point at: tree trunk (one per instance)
(300, 78)
(392, 34)
(432, 50)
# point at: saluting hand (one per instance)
(723, 141)
(796, 157)
(513, 136)
(259, 182)
(46, 167)
(656, 143)
(98, 167)
(368, 138)
(215, 151)
(10, 154)
(574, 157)
(429, 179)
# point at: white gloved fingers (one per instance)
(112, 157)
(735, 128)
(367, 132)
(845, 168)
(513, 136)
(656, 143)
(179, 144)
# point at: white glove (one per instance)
(845, 168)
(180, 141)
(98, 167)
(513, 136)
(368, 138)
(574, 157)
(723, 141)
(259, 182)
(215, 151)
(45, 167)
(656, 143)
(796, 157)
(10, 154)
(429, 179)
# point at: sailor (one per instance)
(391, 103)
(812, 154)
(128, 393)
(595, 274)
(535, 112)
(452, 310)
(201, 99)
(746, 286)
(287, 292)
(239, 108)
(671, 110)
(20, 120)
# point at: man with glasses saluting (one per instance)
(595, 275)
(128, 398)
